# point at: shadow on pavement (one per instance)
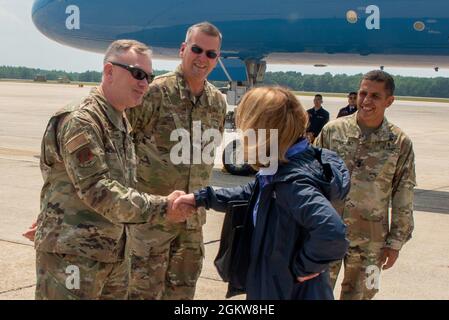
(425, 200)
(432, 201)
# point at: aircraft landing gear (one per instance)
(237, 87)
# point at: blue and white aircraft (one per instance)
(317, 32)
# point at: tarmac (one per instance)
(421, 272)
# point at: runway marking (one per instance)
(18, 289)
(212, 241)
(16, 242)
(420, 191)
(213, 279)
(18, 152)
(20, 160)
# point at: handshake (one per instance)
(180, 207)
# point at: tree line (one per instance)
(23, 73)
(405, 86)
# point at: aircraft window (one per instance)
(351, 16)
(419, 26)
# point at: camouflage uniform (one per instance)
(89, 168)
(382, 173)
(166, 258)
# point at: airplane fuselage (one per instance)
(400, 32)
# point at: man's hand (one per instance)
(31, 232)
(186, 199)
(181, 212)
(303, 279)
(389, 257)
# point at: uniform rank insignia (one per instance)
(85, 156)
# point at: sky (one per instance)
(23, 45)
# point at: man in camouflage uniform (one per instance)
(380, 157)
(89, 169)
(166, 258)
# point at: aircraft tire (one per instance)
(234, 169)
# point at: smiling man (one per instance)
(88, 197)
(167, 258)
(380, 158)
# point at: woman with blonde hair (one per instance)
(294, 230)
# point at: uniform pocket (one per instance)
(49, 288)
(68, 277)
(156, 270)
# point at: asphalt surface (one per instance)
(421, 272)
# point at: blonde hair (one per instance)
(120, 47)
(273, 108)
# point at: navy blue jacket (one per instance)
(297, 232)
(346, 111)
(317, 120)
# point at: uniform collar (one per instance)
(185, 93)
(117, 118)
(350, 108)
(265, 175)
(381, 134)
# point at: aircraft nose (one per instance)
(59, 20)
(40, 14)
(93, 25)
(39, 4)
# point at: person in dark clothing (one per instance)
(296, 232)
(318, 117)
(351, 107)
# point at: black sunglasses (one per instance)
(136, 72)
(211, 54)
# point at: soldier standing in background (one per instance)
(318, 117)
(380, 158)
(89, 169)
(351, 107)
(166, 258)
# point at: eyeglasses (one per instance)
(136, 72)
(211, 54)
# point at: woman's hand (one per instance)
(303, 279)
(182, 212)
